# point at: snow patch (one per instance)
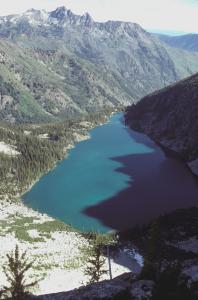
(8, 149)
(43, 136)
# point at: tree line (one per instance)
(38, 155)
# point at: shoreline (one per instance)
(54, 246)
(192, 166)
(78, 138)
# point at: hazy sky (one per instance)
(174, 15)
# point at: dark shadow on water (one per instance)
(158, 184)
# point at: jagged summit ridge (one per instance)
(62, 16)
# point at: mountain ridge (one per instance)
(187, 42)
(73, 65)
(61, 14)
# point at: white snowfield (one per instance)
(8, 149)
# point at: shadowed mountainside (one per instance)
(170, 117)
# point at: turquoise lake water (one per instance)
(107, 181)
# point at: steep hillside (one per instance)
(170, 117)
(186, 42)
(45, 85)
(57, 64)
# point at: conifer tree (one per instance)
(94, 259)
(15, 272)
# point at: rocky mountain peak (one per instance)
(86, 19)
(63, 17)
(60, 13)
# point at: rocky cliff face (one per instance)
(170, 117)
(61, 64)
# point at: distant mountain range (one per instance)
(170, 117)
(187, 42)
(58, 64)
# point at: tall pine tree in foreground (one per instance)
(15, 272)
(94, 255)
(94, 259)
